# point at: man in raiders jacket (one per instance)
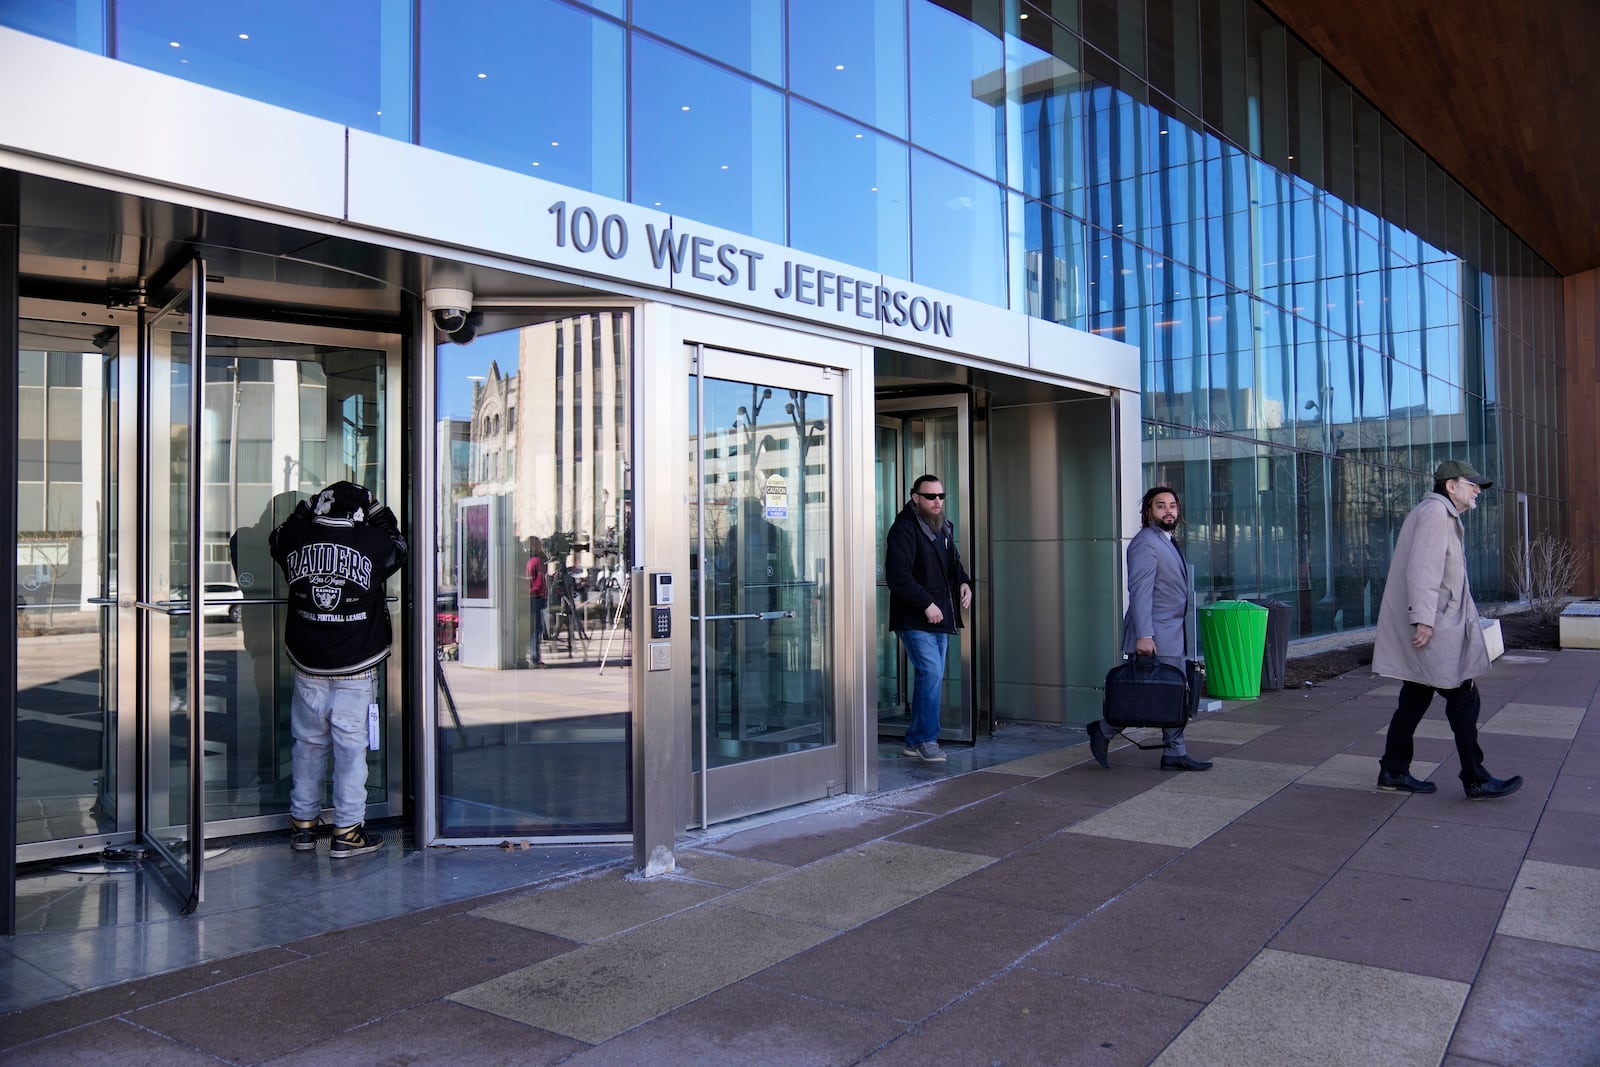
(336, 552)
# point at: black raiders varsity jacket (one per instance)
(336, 552)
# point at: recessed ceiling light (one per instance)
(858, 136)
(174, 44)
(724, 166)
(838, 66)
(536, 163)
(244, 37)
(685, 107)
(483, 75)
(555, 144)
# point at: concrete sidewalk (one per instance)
(1275, 910)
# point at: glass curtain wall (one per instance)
(1322, 313)
(532, 621)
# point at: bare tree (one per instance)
(1544, 572)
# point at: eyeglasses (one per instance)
(930, 496)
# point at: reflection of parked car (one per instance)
(222, 601)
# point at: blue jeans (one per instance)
(926, 651)
(331, 713)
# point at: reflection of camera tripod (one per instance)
(616, 619)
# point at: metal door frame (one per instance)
(967, 642)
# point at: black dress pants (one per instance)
(1461, 706)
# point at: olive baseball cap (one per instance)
(1460, 468)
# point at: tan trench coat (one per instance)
(1428, 585)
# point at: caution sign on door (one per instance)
(777, 497)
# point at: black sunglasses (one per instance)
(930, 496)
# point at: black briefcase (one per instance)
(1143, 691)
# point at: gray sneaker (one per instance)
(930, 752)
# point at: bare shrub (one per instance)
(1544, 573)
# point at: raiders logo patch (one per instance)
(325, 596)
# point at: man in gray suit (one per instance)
(1158, 613)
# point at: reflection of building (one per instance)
(547, 436)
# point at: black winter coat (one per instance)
(922, 571)
(336, 563)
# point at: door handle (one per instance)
(762, 616)
(165, 607)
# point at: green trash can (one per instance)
(1233, 637)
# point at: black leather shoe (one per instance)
(1183, 763)
(1098, 747)
(1403, 783)
(1494, 787)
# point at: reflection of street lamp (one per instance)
(1323, 415)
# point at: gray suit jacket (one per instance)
(1158, 595)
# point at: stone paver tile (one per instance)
(370, 981)
(999, 825)
(1165, 817)
(797, 842)
(110, 1042)
(591, 909)
(911, 962)
(1377, 919)
(598, 991)
(1226, 732)
(733, 872)
(1536, 720)
(856, 885)
(948, 794)
(1567, 837)
(1556, 903)
(1255, 862)
(1287, 1009)
(747, 1024)
(1388, 689)
(1578, 795)
(1533, 1004)
(1037, 766)
(1342, 812)
(1066, 875)
(1413, 845)
(437, 1032)
(1027, 1017)
(1237, 778)
(1347, 771)
(1176, 940)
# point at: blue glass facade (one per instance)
(1323, 313)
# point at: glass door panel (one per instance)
(282, 419)
(532, 615)
(925, 436)
(66, 524)
(171, 818)
(761, 535)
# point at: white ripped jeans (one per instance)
(331, 713)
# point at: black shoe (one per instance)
(1403, 783)
(303, 834)
(1494, 787)
(1183, 763)
(353, 841)
(1098, 746)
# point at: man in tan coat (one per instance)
(1429, 636)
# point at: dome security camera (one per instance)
(450, 308)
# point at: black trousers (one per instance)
(1461, 706)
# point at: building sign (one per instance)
(777, 497)
(692, 254)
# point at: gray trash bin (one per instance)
(1275, 664)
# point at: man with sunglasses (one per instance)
(926, 584)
